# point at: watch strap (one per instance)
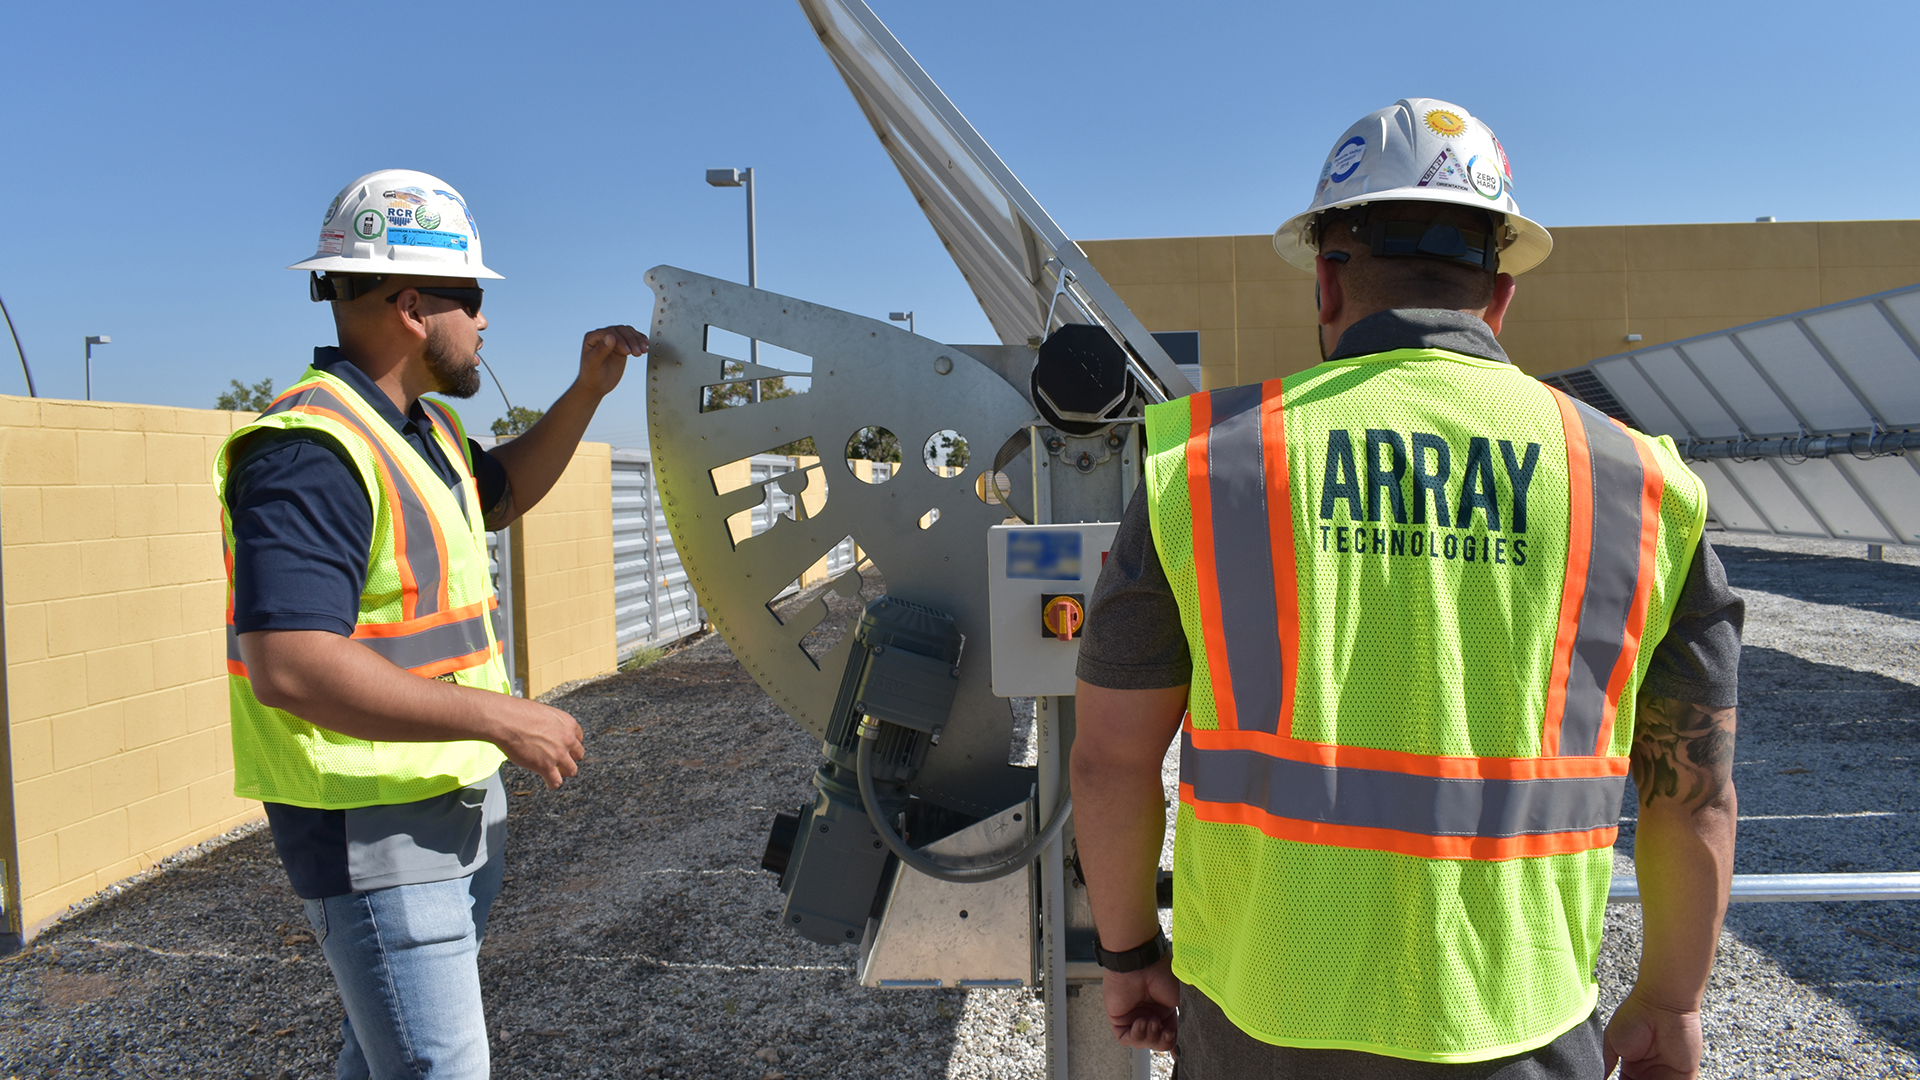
(1134, 959)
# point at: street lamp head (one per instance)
(99, 339)
(724, 177)
(900, 316)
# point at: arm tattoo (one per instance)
(501, 513)
(1675, 741)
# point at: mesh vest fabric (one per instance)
(1434, 671)
(428, 606)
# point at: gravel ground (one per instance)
(635, 936)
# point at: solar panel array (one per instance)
(1008, 248)
(1799, 425)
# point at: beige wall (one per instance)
(115, 635)
(1256, 320)
(563, 577)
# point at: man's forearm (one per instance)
(1683, 843)
(1119, 817)
(535, 460)
(338, 684)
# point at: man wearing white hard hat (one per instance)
(371, 711)
(1416, 619)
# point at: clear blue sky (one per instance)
(162, 163)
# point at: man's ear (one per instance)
(1503, 290)
(407, 309)
(1328, 293)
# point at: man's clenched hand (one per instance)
(603, 356)
(1143, 1006)
(541, 739)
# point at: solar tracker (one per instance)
(1800, 425)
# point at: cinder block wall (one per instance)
(115, 618)
(1256, 319)
(563, 577)
(115, 621)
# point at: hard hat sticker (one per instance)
(406, 196)
(1445, 171)
(1486, 182)
(427, 218)
(1445, 124)
(1505, 168)
(369, 224)
(473, 227)
(332, 209)
(1347, 159)
(331, 243)
(423, 238)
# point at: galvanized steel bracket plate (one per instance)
(864, 373)
(938, 933)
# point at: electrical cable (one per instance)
(926, 864)
(16, 348)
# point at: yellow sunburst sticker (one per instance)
(1445, 124)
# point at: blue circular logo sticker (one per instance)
(1347, 159)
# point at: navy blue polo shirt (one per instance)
(302, 527)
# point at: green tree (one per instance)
(244, 398)
(874, 444)
(518, 419)
(948, 448)
(731, 395)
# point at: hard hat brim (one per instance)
(1528, 250)
(340, 264)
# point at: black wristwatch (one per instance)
(1144, 956)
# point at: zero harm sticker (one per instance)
(369, 224)
(1347, 158)
(426, 219)
(423, 238)
(1484, 177)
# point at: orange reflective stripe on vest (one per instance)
(1615, 488)
(1252, 771)
(431, 646)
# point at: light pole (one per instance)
(902, 316)
(16, 348)
(96, 339)
(744, 178)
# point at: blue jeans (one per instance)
(406, 960)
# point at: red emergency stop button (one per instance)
(1063, 616)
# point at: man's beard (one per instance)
(450, 376)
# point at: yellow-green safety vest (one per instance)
(1420, 590)
(428, 606)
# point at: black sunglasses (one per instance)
(468, 298)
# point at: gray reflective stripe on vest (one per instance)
(418, 649)
(1243, 557)
(436, 643)
(1613, 575)
(416, 520)
(1423, 805)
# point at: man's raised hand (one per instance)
(603, 356)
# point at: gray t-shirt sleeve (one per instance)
(1698, 661)
(1133, 639)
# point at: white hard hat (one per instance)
(1418, 150)
(397, 221)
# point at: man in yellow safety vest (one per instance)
(370, 707)
(1415, 618)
